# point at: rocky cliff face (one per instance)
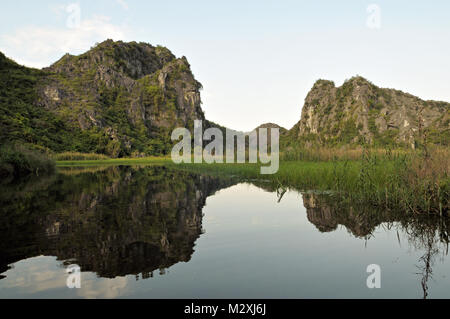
(359, 111)
(118, 99)
(133, 94)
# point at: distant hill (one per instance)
(360, 112)
(117, 99)
(271, 125)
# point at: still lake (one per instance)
(155, 232)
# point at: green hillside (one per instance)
(118, 99)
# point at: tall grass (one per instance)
(75, 156)
(153, 160)
(332, 154)
(411, 182)
(398, 180)
(19, 161)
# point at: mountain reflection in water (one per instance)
(120, 221)
(114, 222)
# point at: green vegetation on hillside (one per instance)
(118, 99)
(25, 122)
(20, 119)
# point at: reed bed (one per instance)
(413, 182)
(333, 154)
(75, 156)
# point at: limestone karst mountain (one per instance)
(124, 99)
(360, 112)
(118, 99)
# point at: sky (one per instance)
(256, 59)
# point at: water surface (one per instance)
(154, 232)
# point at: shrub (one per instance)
(19, 161)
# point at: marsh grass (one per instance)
(75, 156)
(395, 180)
(151, 160)
(300, 153)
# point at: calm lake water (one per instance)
(158, 233)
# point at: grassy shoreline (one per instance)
(407, 182)
(116, 161)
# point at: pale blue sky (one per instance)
(257, 60)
